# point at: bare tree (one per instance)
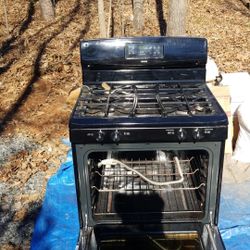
(138, 14)
(4, 4)
(47, 8)
(176, 25)
(101, 15)
(109, 18)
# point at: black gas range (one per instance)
(147, 130)
(138, 83)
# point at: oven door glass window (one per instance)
(148, 186)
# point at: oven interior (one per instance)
(148, 186)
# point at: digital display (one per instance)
(144, 51)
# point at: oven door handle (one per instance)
(113, 162)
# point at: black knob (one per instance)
(100, 136)
(181, 134)
(197, 134)
(115, 136)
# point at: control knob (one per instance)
(100, 136)
(197, 134)
(181, 134)
(115, 136)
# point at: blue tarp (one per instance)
(234, 221)
(57, 225)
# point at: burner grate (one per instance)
(158, 100)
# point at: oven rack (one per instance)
(116, 178)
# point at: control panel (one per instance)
(131, 51)
(143, 51)
(136, 135)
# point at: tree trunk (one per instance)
(109, 18)
(176, 25)
(47, 10)
(6, 16)
(138, 15)
(101, 15)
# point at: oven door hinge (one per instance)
(211, 219)
(87, 228)
(211, 222)
(211, 236)
(88, 240)
(86, 222)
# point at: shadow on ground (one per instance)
(16, 232)
(36, 72)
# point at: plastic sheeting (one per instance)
(234, 221)
(57, 225)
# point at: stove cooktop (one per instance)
(163, 112)
(151, 112)
(154, 100)
(146, 104)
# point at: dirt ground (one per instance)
(39, 67)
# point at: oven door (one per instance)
(129, 237)
(133, 193)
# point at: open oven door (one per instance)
(206, 237)
(211, 238)
(130, 213)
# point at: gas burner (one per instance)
(155, 100)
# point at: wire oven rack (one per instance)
(116, 178)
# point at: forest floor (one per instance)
(40, 66)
